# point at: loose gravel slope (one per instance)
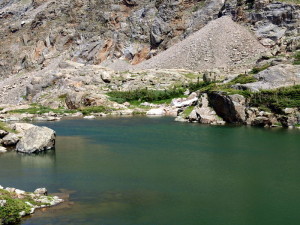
(221, 44)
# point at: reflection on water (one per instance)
(146, 171)
(40, 160)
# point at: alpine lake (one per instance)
(154, 171)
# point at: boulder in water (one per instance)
(36, 139)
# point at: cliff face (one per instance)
(35, 32)
(38, 33)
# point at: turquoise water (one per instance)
(153, 171)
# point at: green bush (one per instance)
(9, 214)
(276, 100)
(38, 109)
(93, 109)
(145, 95)
(243, 79)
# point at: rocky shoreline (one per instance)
(16, 203)
(26, 138)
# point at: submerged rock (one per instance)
(36, 139)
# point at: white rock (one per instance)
(41, 191)
(180, 119)
(2, 150)
(89, 117)
(156, 112)
(19, 192)
(179, 102)
(10, 189)
(23, 213)
(2, 203)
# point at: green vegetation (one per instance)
(145, 95)
(297, 58)
(256, 70)
(4, 127)
(278, 99)
(135, 97)
(93, 109)
(192, 75)
(243, 79)
(62, 97)
(10, 212)
(187, 111)
(38, 109)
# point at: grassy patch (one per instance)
(187, 111)
(297, 58)
(9, 214)
(192, 75)
(145, 95)
(93, 109)
(135, 97)
(4, 127)
(243, 79)
(38, 109)
(277, 100)
(256, 70)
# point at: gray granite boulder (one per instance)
(36, 139)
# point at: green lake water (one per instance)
(153, 171)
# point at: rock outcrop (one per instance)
(204, 114)
(16, 203)
(230, 107)
(36, 139)
(28, 138)
(282, 75)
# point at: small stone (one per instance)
(89, 117)
(41, 191)
(2, 150)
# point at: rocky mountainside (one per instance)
(73, 53)
(38, 33)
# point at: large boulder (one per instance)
(282, 75)
(36, 139)
(203, 113)
(230, 107)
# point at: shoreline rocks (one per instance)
(218, 108)
(17, 203)
(28, 138)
